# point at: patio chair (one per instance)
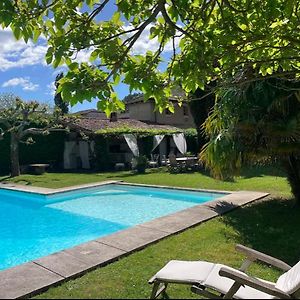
(163, 160)
(153, 163)
(190, 165)
(218, 281)
(174, 166)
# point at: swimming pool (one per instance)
(35, 225)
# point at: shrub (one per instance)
(141, 164)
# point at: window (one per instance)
(185, 110)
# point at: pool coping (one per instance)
(36, 276)
(49, 191)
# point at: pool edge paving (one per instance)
(48, 191)
(38, 275)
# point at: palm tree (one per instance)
(255, 122)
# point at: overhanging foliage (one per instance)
(190, 132)
(208, 40)
(140, 132)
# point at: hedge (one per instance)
(50, 148)
(102, 159)
(46, 149)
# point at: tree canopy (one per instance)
(22, 120)
(209, 39)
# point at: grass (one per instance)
(260, 179)
(269, 226)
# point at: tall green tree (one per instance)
(201, 103)
(59, 102)
(257, 122)
(22, 120)
(209, 39)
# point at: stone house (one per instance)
(138, 109)
(138, 114)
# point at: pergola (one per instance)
(129, 131)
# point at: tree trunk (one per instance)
(14, 156)
(292, 167)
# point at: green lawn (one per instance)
(270, 226)
(260, 179)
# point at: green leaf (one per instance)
(161, 20)
(244, 27)
(116, 17)
(117, 78)
(73, 66)
(171, 108)
(49, 55)
(17, 32)
(269, 70)
(36, 34)
(275, 24)
(59, 22)
(94, 55)
(57, 61)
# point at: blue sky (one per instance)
(23, 70)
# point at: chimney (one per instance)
(113, 117)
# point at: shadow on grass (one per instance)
(270, 226)
(125, 174)
(247, 172)
(259, 171)
(160, 170)
(6, 180)
(222, 207)
(3, 180)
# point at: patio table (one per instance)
(186, 158)
(39, 169)
(187, 161)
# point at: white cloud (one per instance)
(51, 88)
(144, 43)
(58, 70)
(23, 82)
(83, 55)
(14, 54)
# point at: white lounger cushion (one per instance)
(289, 282)
(178, 271)
(207, 274)
(223, 284)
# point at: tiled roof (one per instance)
(91, 113)
(95, 124)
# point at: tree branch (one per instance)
(133, 39)
(173, 60)
(107, 39)
(172, 24)
(40, 131)
(97, 10)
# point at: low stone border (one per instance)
(37, 276)
(49, 192)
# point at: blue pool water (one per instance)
(34, 225)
